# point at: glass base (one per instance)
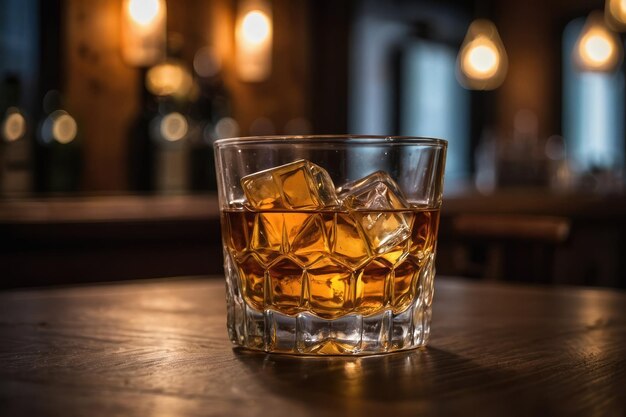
(308, 334)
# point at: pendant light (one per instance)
(482, 62)
(597, 48)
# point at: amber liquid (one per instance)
(327, 262)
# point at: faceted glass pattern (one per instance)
(326, 267)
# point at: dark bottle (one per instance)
(212, 105)
(142, 148)
(158, 138)
(60, 148)
(158, 148)
(170, 132)
(15, 140)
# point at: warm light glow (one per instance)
(254, 40)
(173, 127)
(482, 60)
(597, 48)
(14, 126)
(64, 128)
(255, 27)
(615, 12)
(167, 79)
(143, 11)
(143, 31)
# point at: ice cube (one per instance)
(375, 202)
(377, 190)
(298, 185)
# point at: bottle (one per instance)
(60, 148)
(212, 105)
(170, 134)
(15, 141)
(158, 138)
(141, 152)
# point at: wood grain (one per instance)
(159, 348)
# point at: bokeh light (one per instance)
(169, 78)
(206, 62)
(226, 127)
(143, 12)
(596, 49)
(482, 61)
(14, 125)
(173, 127)
(64, 127)
(255, 27)
(59, 126)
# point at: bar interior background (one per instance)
(109, 108)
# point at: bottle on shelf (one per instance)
(209, 111)
(158, 138)
(142, 148)
(60, 147)
(171, 140)
(15, 141)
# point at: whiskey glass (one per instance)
(329, 241)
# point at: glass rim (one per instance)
(338, 139)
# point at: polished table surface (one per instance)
(159, 348)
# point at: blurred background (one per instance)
(109, 108)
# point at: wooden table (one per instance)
(159, 348)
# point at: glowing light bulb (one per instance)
(255, 27)
(143, 12)
(597, 48)
(143, 28)
(254, 40)
(482, 59)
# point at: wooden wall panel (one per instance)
(100, 90)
